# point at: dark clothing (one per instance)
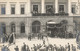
(3, 49)
(6, 49)
(11, 39)
(16, 49)
(3, 40)
(35, 48)
(68, 47)
(24, 48)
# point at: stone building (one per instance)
(36, 16)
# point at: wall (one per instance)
(28, 23)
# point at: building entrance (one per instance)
(36, 27)
(56, 29)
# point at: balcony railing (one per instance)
(50, 14)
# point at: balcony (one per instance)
(50, 14)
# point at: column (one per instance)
(17, 29)
(28, 7)
(8, 31)
(17, 7)
(42, 6)
(28, 26)
(8, 7)
(27, 29)
(56, 6)
(77, 7)
(69, 7)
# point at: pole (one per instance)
(47, 35)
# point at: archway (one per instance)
(36, 27)
(53, 28)
(3, 28)
(57, 29)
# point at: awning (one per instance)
(52, 22)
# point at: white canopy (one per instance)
(52, 22)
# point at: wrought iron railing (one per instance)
(50, 14)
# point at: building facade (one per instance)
(36, 16)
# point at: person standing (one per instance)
(68, 47)
(32, 49)
(7, 49)
(28, 48)
(16, 49)
(3, 48)
(73, 48)
(35, 48)
(3, 40)
(60, 49)
(24, 47)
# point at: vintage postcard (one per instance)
(39, 25)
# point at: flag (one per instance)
(77, 37)
(11, 38)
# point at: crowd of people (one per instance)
(38, 47)
(42, 47)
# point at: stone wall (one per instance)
(29, 20)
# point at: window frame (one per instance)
(73, 9)
(50, 5)
(13, 7)
(22, 6)
(62, 9)
(22, 28)
(34, 9)
(3, 9)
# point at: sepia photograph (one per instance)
(39, 25)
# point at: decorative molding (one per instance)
(3, 2)
(13, 2)
(22, 2)
(35, 2)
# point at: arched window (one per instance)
(36, 27)
(12, 27)
(22, 28)
(3, 28)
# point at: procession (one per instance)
(44, 46)
(39, 25)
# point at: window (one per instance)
(35, 8)
(73, 9)
(61, 8)
(22, 9)
(3, 28)
(22, 28)
(49, 8)
(3, 9)
(12, 9)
